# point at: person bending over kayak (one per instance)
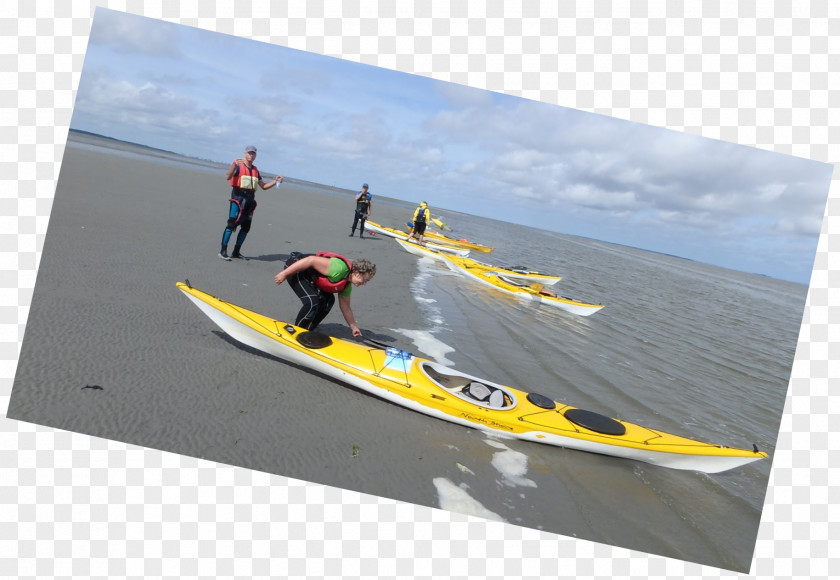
(317, 278)
(244, 177)
(422, 216)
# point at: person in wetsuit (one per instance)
(363, 209)
(317, 278)
(244, 178)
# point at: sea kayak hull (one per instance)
(460, 252)
(441, 392)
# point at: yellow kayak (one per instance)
(375, 227)
(447, 394)
(520, 288)
(444, 239)
(531, 276)
(526, 285)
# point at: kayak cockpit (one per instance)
(470, 389)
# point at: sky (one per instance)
(205, 94)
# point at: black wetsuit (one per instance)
(361, 215)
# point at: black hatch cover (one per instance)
(595, 422)
(314, 339)
(540, 401)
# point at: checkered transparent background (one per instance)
(751, 73)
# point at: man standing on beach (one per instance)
(244, 177)
(363, 207)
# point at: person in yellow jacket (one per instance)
(422, 216)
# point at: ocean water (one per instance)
(681, 346)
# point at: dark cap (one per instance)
(250, 149)
(364, 185)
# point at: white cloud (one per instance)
(133, 34)
(802, 226)
(590, 196)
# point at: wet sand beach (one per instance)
(124, 228)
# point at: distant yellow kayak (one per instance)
(527, 285)
(449, 249)
(452, 241)
(520, 274)
(433, 389)
(519, 288)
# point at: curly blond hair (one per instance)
(364, 267)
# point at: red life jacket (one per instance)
(323, 283)
(246, 172)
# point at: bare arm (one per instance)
(232, 168)
(320, 263)
(347, 312)
(269, 185)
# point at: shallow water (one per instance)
(689, 348)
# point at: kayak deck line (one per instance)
(653, 434)
(442, 392)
